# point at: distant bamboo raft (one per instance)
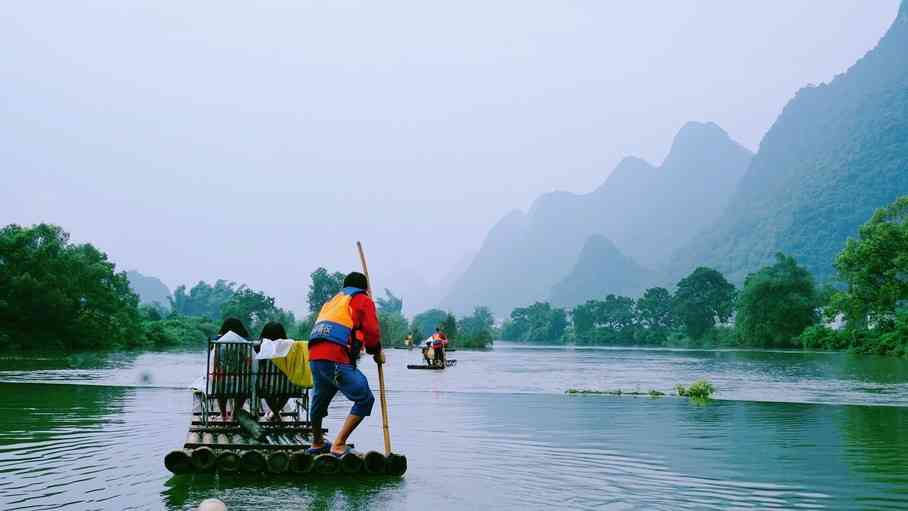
(448, 363)
(227, 448)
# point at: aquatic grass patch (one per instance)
(700, 390)
(616, 392)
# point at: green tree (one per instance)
(203, 299)
(477, 330)
(776, 304)
(702, 298)
(584, 318)
(654, 309)
(612, 320)
(323, 287)
(187, 331)
(255, 309)
(874, 266)
(539, 322)
(390, 303)
(449, 326)
(55, 294)
(426, 322)
(481, 320)
(393, 327)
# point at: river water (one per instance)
(788, 430)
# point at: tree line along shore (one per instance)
(864, 309)
(57, 295)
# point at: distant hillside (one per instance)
(836, 153)
(149, 289)
(646, 211)
(600, 270)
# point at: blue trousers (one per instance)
(328, 378)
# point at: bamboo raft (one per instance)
(448, 363)
(229, 448)
(249, 445)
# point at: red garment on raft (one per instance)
(365, 324)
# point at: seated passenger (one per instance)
(274, 331)
(224, 367)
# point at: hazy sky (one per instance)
(204, 140)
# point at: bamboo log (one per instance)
(301, 462)
(351, 463)
(374, 463)
(203, 458)
(194, 438)
(278, 462)
(227, 461)
(396, 464)
(326, 464)
(253, 461)
(178, 461)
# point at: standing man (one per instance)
(439, 341)
(345, 325)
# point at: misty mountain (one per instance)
(646, 211)
(601, 269)
(149, 289)
(836, 153)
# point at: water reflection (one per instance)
(274, 492)
(92, 446)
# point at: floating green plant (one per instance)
(700, 389)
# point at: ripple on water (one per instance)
(472, 445)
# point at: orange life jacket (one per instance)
(335, 321)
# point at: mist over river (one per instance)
(788, 430)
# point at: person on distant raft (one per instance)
(439, 341)
(344, 326)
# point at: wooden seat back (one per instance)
(229, 372)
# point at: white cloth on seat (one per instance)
(274, 349)
(232, 336)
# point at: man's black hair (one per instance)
(274, 331)
(356, 279)
(233, 325)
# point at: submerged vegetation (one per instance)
(617, 392)
(700, 389)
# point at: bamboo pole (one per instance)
(227, 460)
(374, 463)
(326, 464)
(301, 462)
(178, 461)
(381, 372)
(397, 464)
(252, 461)
(278, 462)
(203, 458)
(351, 463)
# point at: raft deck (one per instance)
(253, 445)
